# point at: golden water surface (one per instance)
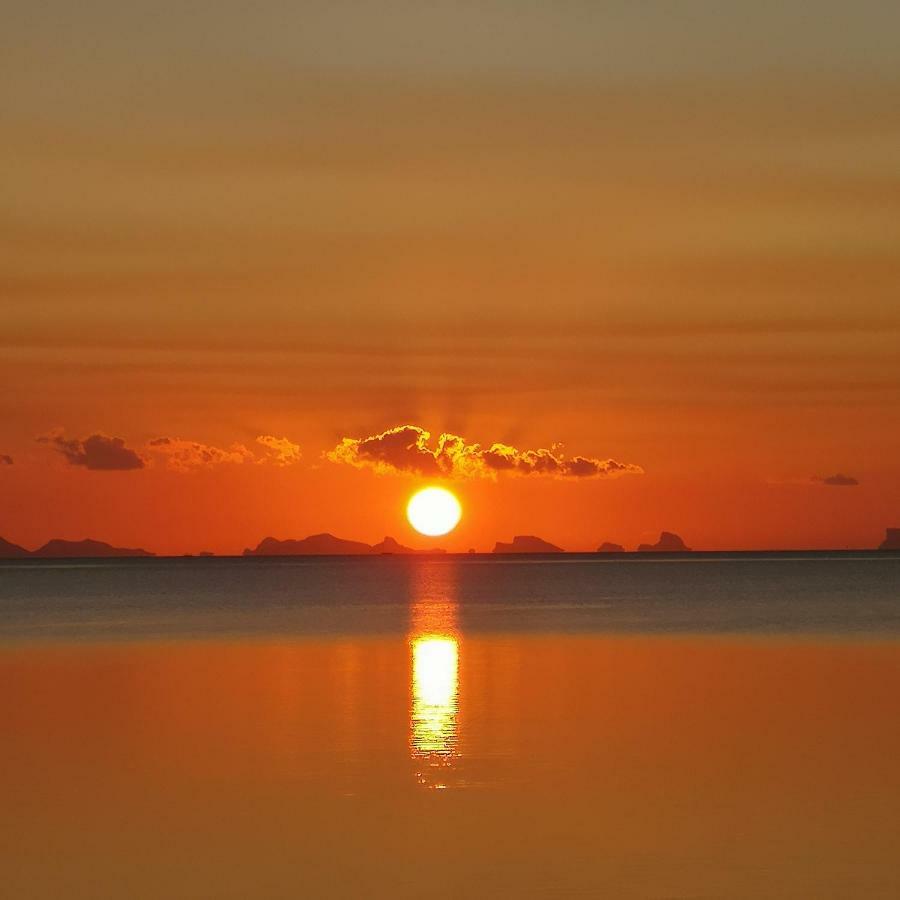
(438, 764)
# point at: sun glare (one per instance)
(433, 511)
(435, 690)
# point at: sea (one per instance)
(635, 725)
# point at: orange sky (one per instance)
(668, 240)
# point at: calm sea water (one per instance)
(703, 726)
(815, 593)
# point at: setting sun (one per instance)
(433, 511)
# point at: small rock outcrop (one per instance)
(891, 539)
(667, 543)
(609, 547)
(527, 543)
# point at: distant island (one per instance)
(667, 543)
(527, 543)
(328, 545)
(12, 551)
(389, 545)
(60, 549)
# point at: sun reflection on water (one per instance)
(434, 682)
(435, 693)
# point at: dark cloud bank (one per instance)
(97, 452)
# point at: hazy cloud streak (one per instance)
(838, 480)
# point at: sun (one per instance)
(433, 511)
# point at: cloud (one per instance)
(401, 449)
(280, 450)
(838, 480)
(406, 448)
(184, 456)
(97, 452)
(5, 459)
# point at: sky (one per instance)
(237, 241)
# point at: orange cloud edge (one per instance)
(406, 449)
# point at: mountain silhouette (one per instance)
(329, 545)
(608, 547)
(891, 539)
(667, 543)
(12, 551)
(527, 543)
(86, 548)
(314, 545)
